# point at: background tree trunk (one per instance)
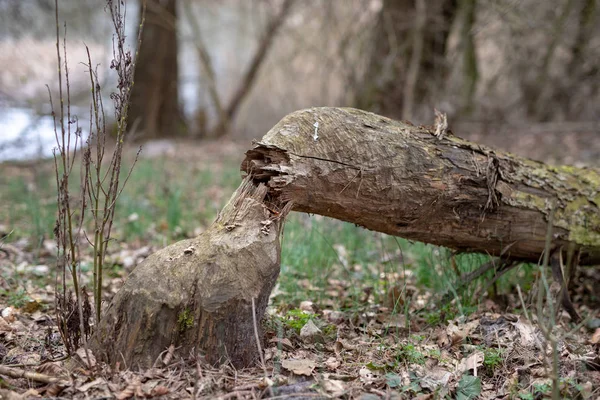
(469, 57)
(154, 108)
(383, 87)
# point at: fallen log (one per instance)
(197, 296)
(403, 180)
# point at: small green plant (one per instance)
(416, 338)
(16, 298)
(388, 366)
(330, 331)
(437, 354)
(185, 320)
(526, 396)
(441, 315)
(295, 319)
(542, 388)
(492, 358)
(469, 387)
(409, 353)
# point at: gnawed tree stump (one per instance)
(197, 294)
(355, 166)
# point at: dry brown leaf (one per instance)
(595, 337)
(4, 326)
(53, 369)
(286, 343)
(9, 314)
(307, 306)
(335, 317)
(89, 385)
(332, 363)
(299, 367)
(83, 356)
(334, 387)
(132, 389)
(10, 395)
(443, 340)
(472, 362)
(54, 390)
(31, 306)
(159, 391)
(169, 355)
(526, 333)
(310, 332)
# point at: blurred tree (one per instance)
(406, 64)
(470, 72)
(584, 65)
(226, 112)
(154, 108)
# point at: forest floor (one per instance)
(355, 314)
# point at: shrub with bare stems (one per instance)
(100, 180)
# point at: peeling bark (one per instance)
(399, 179)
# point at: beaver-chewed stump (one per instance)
(197, 294)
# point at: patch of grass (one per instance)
(317, 251)
(446, 313)
(492, 358)
(16, 298)
(29, 205)
(164, 201)
(411, 354)
(569, 389)
(295, 319)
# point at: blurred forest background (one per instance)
(518, 75)
(522, 75)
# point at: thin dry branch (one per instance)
(34, 376)
(257, 60)
(207, 65)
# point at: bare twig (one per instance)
(100, 185)
(547, 327)
(207, 65)
(34, 376)
(260, 353)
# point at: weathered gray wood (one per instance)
(197, 294)
(400, 179)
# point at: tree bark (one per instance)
(154, 107)
(400, 179)
(197, 294)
